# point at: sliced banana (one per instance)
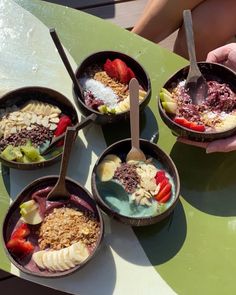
(106, 170)
(142, 93)
(65, 256)
(38, 258)
(113, 158)
(61, 261)
(78, 252)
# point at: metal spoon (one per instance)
(135, 153)
(196, 84)
(59, 191)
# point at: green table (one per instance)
(193, 252)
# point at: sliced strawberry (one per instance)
(122, 70)
(110, 69)
(130, 74)
(21, 232)
(182, 121)
(197, 127)
(20, 246)
(165, 198)
(163, 183)
(166, 189)
(160, 175)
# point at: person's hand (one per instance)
(225, 55)
(220, 145)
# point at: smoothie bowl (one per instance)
(30, 118)
(52, 238)
(135, 193)
(214, 118)
(104, 78)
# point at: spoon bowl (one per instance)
(60, 192)
(135, 154)
(195, 84)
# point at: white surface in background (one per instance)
(28, 57)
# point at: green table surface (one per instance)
(194, 250)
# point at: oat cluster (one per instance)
(97, 73)
(66, 226)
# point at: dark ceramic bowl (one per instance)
(121, 148)
(211, 72)
(100, 58)
(13, 216)
(21, 96)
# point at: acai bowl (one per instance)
(135, 193)
(30, 118)
(52, 238)
(214, 118)
(103, 78)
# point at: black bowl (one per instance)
(122, 148)
(13, 216)
(21, 96)
(100, 58)
(211, 72)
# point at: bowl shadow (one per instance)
(163, 240)
(207, 180)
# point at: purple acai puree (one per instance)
(45, 207)
(220, 98)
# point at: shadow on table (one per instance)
(160, 241)
(164, 240)
(207, 180)
(148, 130)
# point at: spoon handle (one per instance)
(134, 112)
(188, 25)
(65, 60)
(69, 138)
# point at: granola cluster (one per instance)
(66, 226)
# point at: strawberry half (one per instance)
(160, 175)
(118, 70)
(21, 232)
(110, 69)
(162, 193)
(20, 246)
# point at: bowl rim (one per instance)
(35, 165)
(221, 134)
(71, 270)
(112, 212)
(148, 92)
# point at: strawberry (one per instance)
(163, 183)
(118, 70)
(130, 74)
(197, 127)
(122, 70)
(188, 124)
(162, 193)
(20, 246)
(165, 198)
(110, 69)
(182, 121)
(160, 175)
(21, 232)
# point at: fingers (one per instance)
(222, 145)
(219, 55)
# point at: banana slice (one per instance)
(142, 93)
(123, 106)
(65, 256)
(78, 252)
(60, 260)
(106, 170)
(38, 259)
(113, 158)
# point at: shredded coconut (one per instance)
(100, 92)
